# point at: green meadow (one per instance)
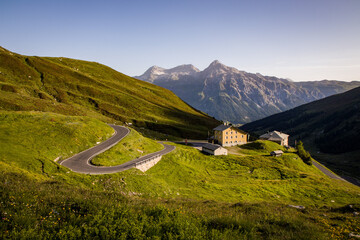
(187, 195)
(133, 146)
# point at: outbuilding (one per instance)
(276, 153)
(214, 149)
(278, 137)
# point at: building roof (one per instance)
(223, 127)
(211, 146)
(274, 135)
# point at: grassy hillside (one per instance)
(329, 128)
(133, 146)
(74, 87)
(187, 195)
(34, 141)
(248, 178)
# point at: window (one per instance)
(227, 132)
(230, 141)
(235, 141)
(231, 132)
(231, 136)
(226, 142)
(227, 137)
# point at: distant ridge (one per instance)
(328, 126)
(237, 96)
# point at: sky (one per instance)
(302, 40)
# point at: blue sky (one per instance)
(300, 40)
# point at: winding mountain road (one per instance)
(326, 171)
(330, 174)
(80, 162)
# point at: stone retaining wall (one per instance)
(146, 165)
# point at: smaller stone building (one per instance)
(276, 153)
(214, 149)
(278, 137)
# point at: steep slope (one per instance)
(237, 96)
(75, 87)
(327, 126)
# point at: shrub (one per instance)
(303, 154)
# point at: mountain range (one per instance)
(238, 96)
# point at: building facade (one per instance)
(214, 149)
(227, 135)
(278, 137)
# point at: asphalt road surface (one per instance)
(333, 175)
(326, 171)
(80, 162)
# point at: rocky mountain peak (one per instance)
(216, 64)
(151, 74)
(184, 69)
(216, 67)
(155, 70)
